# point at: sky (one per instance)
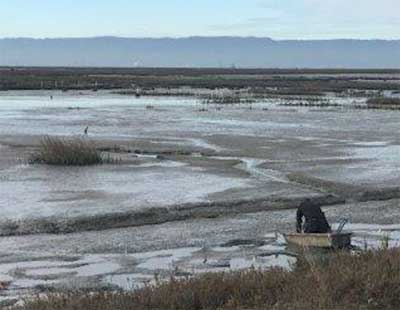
(277, 19)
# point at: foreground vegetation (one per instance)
(62, 152)
(370, 280)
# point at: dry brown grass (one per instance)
(370, 280)
(62, 152)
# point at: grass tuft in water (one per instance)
(77, 151)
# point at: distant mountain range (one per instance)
(241, 52)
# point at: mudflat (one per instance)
(192, 181)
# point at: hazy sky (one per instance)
(279, 19)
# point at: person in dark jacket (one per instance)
(314, 219)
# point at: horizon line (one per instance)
(192, 37)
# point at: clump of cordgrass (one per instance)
(77, 151)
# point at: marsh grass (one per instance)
(370, 280)
(78, 151)
(384, 103)
(228, 99)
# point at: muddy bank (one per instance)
(121, 258)
(154, 216)
(349, 192)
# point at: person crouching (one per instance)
(311, 219)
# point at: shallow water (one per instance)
(47, 191)
(280, 142)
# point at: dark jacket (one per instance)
(314, 219)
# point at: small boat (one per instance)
(326, 241)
